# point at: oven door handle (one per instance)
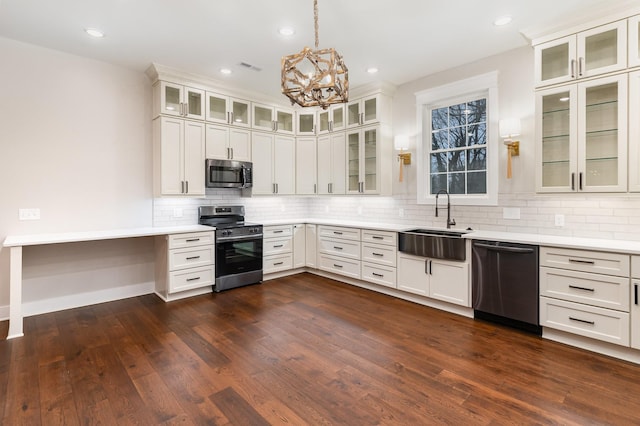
(256, 237)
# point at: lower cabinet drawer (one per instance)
(376, 253)
(600, 290)
(191, 239)
(191, 278)
(273, 246)
(589, 321)
(338, 265)
(190, 257)
(379, 274)
(277, 263)
(340, 248)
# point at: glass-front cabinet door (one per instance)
(362, 161)
(323, 121)
(634, 41)
(181, 101)
(555, 61)
(306, 123)
(602, 135)
(556, 127)
(354, 184)
(634, 135)
(217, 108)
(284, 121)
(337, 117)
(370, 158)
(240, 112)
(263, 117)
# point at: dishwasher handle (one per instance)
(518, 250)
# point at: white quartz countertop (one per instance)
(73, 237)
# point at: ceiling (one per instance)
(404, 39)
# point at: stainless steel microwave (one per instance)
(228, 174)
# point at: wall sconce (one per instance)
(401, 143)
(508, 129)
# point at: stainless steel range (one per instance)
(238, 246)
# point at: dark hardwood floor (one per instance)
(300, 350)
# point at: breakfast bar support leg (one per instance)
(15, 293)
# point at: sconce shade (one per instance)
(401, 142)
(509, 127)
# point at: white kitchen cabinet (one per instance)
(178, 100)
(364, 111)
(585, 292)
(634, 131)
(273, 163)
(363, 159)
(437, 279)
(634, 41)
(378, 254)
(582, 137)
(306, 123)
(225, 109)
(331, 120)
(228, 143)
(306, 164)
(299, 245)
(332, 163)
(635, 302)
(179, 155)
(269, 118)
(184, 262)
(339, 250)
(278, 246)
(311, 245)
(589, 53)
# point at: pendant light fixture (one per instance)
(315, 77)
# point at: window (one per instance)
(457, 151)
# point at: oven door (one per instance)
(238, 256)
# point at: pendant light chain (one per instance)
(315, 20)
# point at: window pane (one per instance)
(439, 119)
(456, 183)
(456, 161)
(477, 111)
(477, 183)
(477, 134)
(477, 159)
(457, 116)
(439, 140)
(458, 137)
(438, 182)
(439, 162)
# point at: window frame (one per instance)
(486, 86)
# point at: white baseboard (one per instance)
(593, 345)
(185, 294)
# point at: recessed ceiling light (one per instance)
(93, 32)
(503, 20)
(225, 71)
(372, 70)
(286, 31)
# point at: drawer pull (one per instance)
(584, 262)
(337, 266)
(193, 240)
(377, 275)
(582, 321)
(193, 257)
(193, 279)
(337, 248)
(581, 288)
(337, 232)
(279, 231)
(635, 294)
(377, 237)
(378, 254)
(277, 263)
(278, 246)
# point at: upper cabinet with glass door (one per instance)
(272, 119)
(331, 120)
(589, 53)
(178, 100)
(634, 41)
(306, 122)
(363, 111)
(582, 136)
(227, 110)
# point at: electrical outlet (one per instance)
(29, 214)
(401, 212)
(177, 212)
(559, 220)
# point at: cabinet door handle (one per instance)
(187, 185)
(278, 246)
(277, 188)
(573, 68)
(377, 275)
(338, 248)
(193, 257)
(580, 181)
(377, 237)
(182, 187)
(635, 294)
(278, 263)
(580, 66)
(582, 321)
(315, 188)
(337, 266)
(329, 190)
(192, 240)
(279, 231)
(228, 117)
(378, 254)
(273, 188)
(426, 266)
(582, 288)
(573, 181)
(337, 232)
(584, 262)
(431, 267)
(193, 279)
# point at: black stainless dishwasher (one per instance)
(505, 285)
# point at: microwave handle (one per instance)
(243, 175)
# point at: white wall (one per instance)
(75, 142)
